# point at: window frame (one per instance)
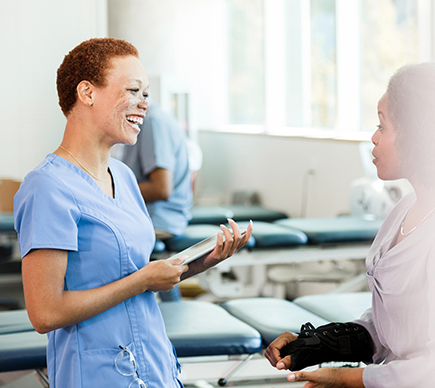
(348, 110)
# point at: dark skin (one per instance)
(320, 378)
(159, 186)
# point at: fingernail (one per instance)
(230, 219)
(291, 377)
(280, 365)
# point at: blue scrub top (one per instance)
(59, 206)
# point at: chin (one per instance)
(132, 140)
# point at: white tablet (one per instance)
(198, 250)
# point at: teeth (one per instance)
(135, 119)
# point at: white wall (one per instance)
(183, 41)
(34, 37)
(186, 41)
(276, 167)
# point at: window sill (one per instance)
(307, 133)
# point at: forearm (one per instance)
(158, 187)
(66, 308)
(152, 193)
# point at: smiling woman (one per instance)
(85, 234)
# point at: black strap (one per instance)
(332, 342)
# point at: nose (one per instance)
(375, 137)
(143, 104)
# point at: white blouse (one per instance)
(402, 318)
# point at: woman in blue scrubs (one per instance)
(85, 234)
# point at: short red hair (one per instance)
(88, 62)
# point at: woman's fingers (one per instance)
(239, 239)
(228, 244)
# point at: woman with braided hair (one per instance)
(396, 336)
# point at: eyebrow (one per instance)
(380, 113)
(139, 81)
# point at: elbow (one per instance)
(41, 330)
(164, 195)
(40, 327)
(42, 323)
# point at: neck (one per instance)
(86, 153)
(425, 198)
(423, 208)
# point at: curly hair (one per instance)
(88, 61)
(411, 105)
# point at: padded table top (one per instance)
(14, 322)
(203, 329)
(334, 229)
(270, 235)
(215, 215)
(22, 351)
(6, 222)
(343, 307)
(219, 214)
(271, 316)
(193, 234)
(195, 328)
(255, 213)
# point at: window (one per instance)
(389, 41)
(323, 63)
(246, 62)
(300, 65)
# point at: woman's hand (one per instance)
(163, 275)
(274, 349)
(223, 249)
(330, 378)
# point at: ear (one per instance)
(84, 93)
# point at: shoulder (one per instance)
(45, 179)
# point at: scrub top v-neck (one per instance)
(59, 206)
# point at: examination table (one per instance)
(241, 326)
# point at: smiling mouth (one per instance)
(136, 120)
